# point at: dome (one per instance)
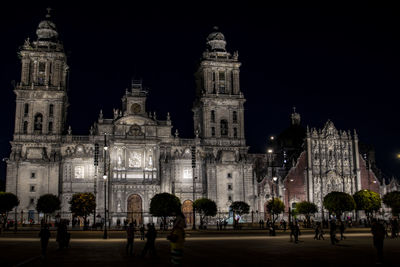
(216, 41)
(46, 30)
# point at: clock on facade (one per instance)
(135, 108)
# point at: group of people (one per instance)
(63, 236)
(176, 238)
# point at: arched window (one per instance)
(224, 128)
(212, 116)
(212, 131)
(38, 123)
(235, 132)
(51, 110)
(234, 117)
(26, 110)
(221, 79)
(25, 130)
(50, 127)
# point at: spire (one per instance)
(295, 117)
(47, 30)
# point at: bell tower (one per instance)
(41, 95)
(218, 108)
(33, 167)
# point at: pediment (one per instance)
(135, 119)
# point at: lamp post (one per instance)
(105, 186)
(194, 185)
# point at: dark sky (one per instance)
(340, 64)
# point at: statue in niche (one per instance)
(38, 122)
(150, 161)
(119, 206)
(119, 162)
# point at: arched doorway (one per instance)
(135, 212)
(187, 210)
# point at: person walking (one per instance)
(321, 232)
(141, 229)
(151, 236)
(342, 228)
(284, 225)
(291, 226)
(44, 235)
(378, 232)
(177, 239)
(62, 235)
(317, 231)
(130, 234)
(296, 232)
(332, 232)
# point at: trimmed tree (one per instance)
(307, 209)
(8, 201)
(240, 208)
(205, 207)
(83, 204)
(368, 201)
(339, 202)
(164, 205)
(392, 199)
(275, 207)
(48, 204)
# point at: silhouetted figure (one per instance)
(62, 235)
(44, 235)
(151, 236)
(332, 233)
(130, 234)
(291, 226)
(177, 239)
(342, 228)
(225, 224)
(141, 229)
(284, 225)
(321, 232)
(296, 232)
(378, 232)
(317, 229)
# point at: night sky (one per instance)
(341, 65)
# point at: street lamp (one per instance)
(105, 186)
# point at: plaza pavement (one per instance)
(202, 248)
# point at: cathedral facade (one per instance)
(127, 159)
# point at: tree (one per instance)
(275, 207)
(368, 201)
(240, 208)
(392, 199)
(83, 204)
(307, 209)
(48, 204)
(164, 205)
(339, 202)
(205, 207)
(8, 201)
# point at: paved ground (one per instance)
(253, 248)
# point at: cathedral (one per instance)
(127, 159)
